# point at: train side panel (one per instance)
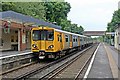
(81, 42)
(78, 41)
(66, 41)
(58, 41)
(75, 43)
(71, 41)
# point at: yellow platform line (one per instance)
(113, 65)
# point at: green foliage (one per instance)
(34, 9)
(68, 26)
(57, 12)
(48, 11)
(101, 38)
(112, 25)
(115, 20)
(7, 6)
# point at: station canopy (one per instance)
(28, 20)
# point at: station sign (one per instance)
(110, 33)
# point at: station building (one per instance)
(117, 37)
(117, 33)
(15, 30)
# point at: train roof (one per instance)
(69, 33)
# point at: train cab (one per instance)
(42, 41)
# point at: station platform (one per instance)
(8, 53)
(115, 54)
(10, 60)
(105, 64)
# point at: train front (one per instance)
(42, 41)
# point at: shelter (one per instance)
(117, 37)
(15, 30)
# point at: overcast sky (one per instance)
(92, 14)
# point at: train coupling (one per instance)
(41, 55)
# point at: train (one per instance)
(47, 42)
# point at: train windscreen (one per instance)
(43, 35)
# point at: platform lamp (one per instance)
(110, 37)
(54, 23)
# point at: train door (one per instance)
(61, 45)
(71, 43)
(78, 41)
(58, 43)
(43, 39)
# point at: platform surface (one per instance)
(115, 54)
(101, 67)
(116, 58)
(8, 53)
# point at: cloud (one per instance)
(90, 2)
(89, 13)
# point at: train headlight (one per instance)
(34, 45)
(50, 47)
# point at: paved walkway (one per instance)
(115, 54)
(101, 67)
(116, 58)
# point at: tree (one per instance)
(48, 11)
(115, 20)
(57, 11)
(112, 25)
(80, 30)
(34, 9)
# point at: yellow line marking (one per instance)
(113, 65)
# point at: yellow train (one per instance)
(52, 43)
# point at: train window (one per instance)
(50, 35)
(66, 38)
(80, 39)
(60, 38)
(36, 35)
(43, 34)
(76, 39)
(73, 39)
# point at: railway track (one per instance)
(24, 68)
(14, 62)
(15, 73)
(43, 71)
(74, 69)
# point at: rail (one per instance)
(40, 69)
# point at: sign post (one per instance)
(6, 26)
